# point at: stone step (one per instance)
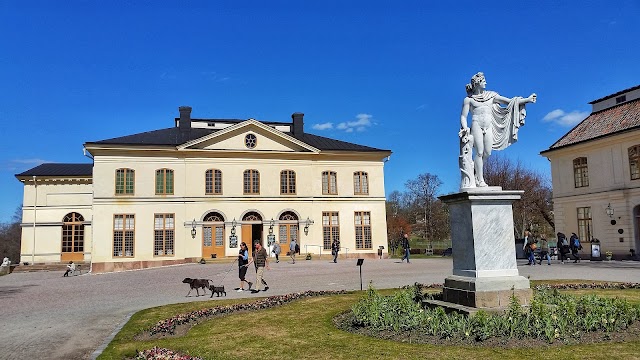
(47, 267)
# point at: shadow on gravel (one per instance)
(8, 291)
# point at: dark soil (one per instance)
(344, 322)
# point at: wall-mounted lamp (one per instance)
(271, 239)
(233, 239)
(609, 210)
(306, 226)
(193, 229)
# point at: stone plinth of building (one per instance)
(485, 272)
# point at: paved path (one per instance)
(46, 316)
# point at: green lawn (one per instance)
(303, 329)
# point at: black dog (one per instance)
(218, 290)
(197, 284)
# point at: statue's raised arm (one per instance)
(493, 127)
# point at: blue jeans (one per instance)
(532, 258)
(406, 255)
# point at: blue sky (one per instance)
(388, 74)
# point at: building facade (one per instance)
(595, 170)
(199, 189)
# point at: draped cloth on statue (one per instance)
(506, 120)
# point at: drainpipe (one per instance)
(35, 206)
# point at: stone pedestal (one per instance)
(485, 272)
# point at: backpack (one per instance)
(576, 243)
(297, 249)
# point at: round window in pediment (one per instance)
(250, 141)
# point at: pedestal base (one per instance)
(494, 292)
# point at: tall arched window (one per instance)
(251, 182)
(580, 172)
(287, 182)
(125, 181)
(329, 183)
(634, 162)
(72, 234)
(164, 182)
(213, 182)
(360, 183)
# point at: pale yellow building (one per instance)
(199, 189)
(595, 169)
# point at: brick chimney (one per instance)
(298, 124)
(185, 118)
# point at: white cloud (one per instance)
(361, 124)
(562, 118)
(325, 126)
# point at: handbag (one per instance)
(534, 246)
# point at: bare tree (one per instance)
(421, 195)
(10, 235)
(534, 210)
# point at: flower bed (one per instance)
(168, 326)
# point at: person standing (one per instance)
(335, 247)
(292, 250)
(544, 251)
(261, 260)
(563, 247)
(406, 247)
(243, 265)
(276, 251)
(529, 247)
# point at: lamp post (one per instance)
(233, 239)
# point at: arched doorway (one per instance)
(288, 229)
(72, 238)
(252, 230)
(213, 235)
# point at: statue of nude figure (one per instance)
(493, 127)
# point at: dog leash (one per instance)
(227, 273)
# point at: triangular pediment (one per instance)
(250, 135)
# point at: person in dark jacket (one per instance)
(406, 247)
(335, 248)
(575, 245)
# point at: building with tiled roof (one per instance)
(201, 188)
(595, 170)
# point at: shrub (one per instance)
(552, 316)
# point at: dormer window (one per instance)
(621, 99)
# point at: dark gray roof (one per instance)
(59, 170)
(174, 137)
(616, 94)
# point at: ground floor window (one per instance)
(585, 228)
(163, 234)
(363, 230)
(330, 228)
(123, 235)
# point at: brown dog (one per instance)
(197, 284)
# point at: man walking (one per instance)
(292, 250)
(335, 247)
(262, 260)
(406, 247)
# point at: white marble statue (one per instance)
(493, 127)
(6, 261)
